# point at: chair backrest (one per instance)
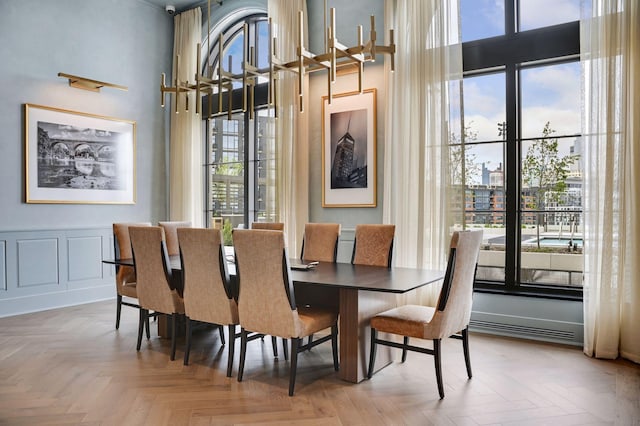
(207, 293)
(122, 250)
(273, 226)
(454, 304)
(153, 272)
(373, 245)
(266, 301)
(320, 242)
(171, 235)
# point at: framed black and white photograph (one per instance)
(349, 150)
(80, 158)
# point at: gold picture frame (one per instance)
(78, 158)
(349, 150)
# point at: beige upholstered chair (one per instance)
(273, 226)
(450, 317)
(125, 275)
(320, 242)
(266, 301)
(208, 296)
(171, 235)
(373, 245)
(156, 291)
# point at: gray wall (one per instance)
(50, 253)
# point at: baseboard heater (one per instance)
(524, 331)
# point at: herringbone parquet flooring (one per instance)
(70, 367)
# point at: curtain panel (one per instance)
(185, 143)
(291, 133)
(610, 43)
(416, 165)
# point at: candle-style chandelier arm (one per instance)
(336, 56)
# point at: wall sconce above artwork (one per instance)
(89, 84)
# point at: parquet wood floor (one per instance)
(70, 367)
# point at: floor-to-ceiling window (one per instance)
(515, 148)
(240, 144)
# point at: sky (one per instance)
(549, 93)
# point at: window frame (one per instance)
(511, 52)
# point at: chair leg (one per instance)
(221, 331)
(141, 321)
(309, 341)
(274, 343)
(187, 344)
(405, 342)
(118, 310)
(372, 352)
(146, 325)
(436, 358)
(465, 346)
(295, 342)
(285, 349)
(334, 347)
(232, 345)
(173, 336)
(243, 352)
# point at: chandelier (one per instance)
(335, 57)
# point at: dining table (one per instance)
(359, 292)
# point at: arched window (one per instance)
(240, 166)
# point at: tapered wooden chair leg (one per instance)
(405, 342)
(243, 352)
(146, 325)
(465, 346)
(118, 310)
(285, 349)
(232, 348)
(372, 352)
(187, 344)
(295, 342)
(334, 347)
(141, 321)
(173, 336)
(274, 343)
(436, 358)
(221, 331)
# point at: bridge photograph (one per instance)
(77, 158)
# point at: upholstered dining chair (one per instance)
(266, 301)
(450, 318)
(171, 235)
(125, 275)
(154, 280)
(373, 245)
(320, 242)
(273, 226)
(208, 296)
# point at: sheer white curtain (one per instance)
(292, 148)
(416, 186)
(185, 147)
(611, 60)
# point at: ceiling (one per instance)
(180, 5)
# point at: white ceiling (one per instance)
(180, 5)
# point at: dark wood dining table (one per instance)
(360, 292)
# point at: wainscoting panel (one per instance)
(51, 268)
(38, 262)
(84, 256)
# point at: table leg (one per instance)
(357, 307)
